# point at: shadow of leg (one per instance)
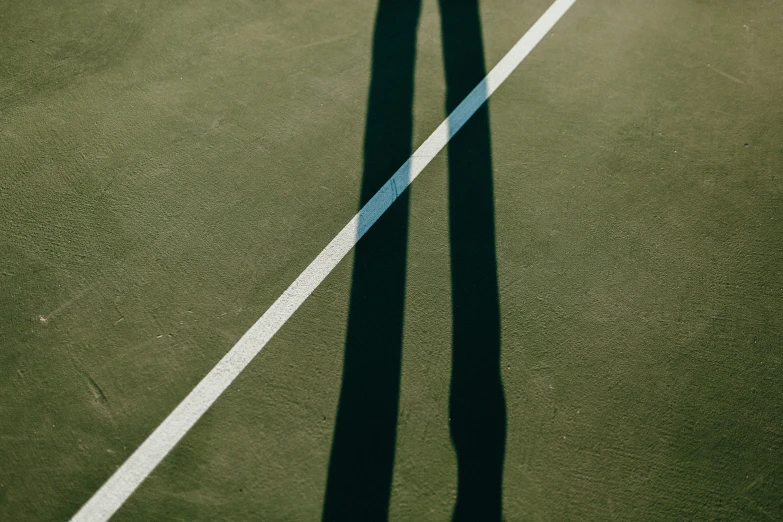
(362, 457)
(477, 405)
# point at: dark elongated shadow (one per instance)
(477, 406)
(362, 457)
(361, 462)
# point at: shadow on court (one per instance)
(362, 457)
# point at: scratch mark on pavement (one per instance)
(726, 75)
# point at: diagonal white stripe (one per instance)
(108, 499)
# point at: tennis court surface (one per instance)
(575, 311)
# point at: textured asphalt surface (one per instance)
(168, 168)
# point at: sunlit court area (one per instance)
(409, 260)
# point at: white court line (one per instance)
(108, 499)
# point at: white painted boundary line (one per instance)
(108, 499)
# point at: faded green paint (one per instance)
(168, 168)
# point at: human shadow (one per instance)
(361, 463)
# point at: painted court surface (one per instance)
(168, 169)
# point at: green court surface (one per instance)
(167, 169)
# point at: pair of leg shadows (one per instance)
(362, 458)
